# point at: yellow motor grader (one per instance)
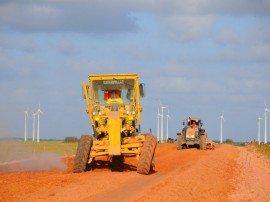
(192, 134)
(113, 105)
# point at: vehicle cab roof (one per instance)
(193, 119)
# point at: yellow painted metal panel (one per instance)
(114, 136)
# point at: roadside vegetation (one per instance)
(263, 148)
(230, 141)
(16, 149)
(71, 139)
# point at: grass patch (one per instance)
(18, 149)
(263, 148)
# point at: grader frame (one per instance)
(114, 108)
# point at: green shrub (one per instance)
(228, 141)
(71, 139)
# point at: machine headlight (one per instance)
(127, 112)
(133, 112)
(94, 113)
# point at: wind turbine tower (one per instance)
(34, 119)
(25, 125)
(38, 112)
(161, 127)
(259, 129)
(158, 117)
(168, 117)
(221, 135)
(265, 123)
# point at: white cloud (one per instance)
(67, 47)
(260, 53)
(229, 36)
(114, 16)
(18, 43)
(137, 53)
(245, 54)
(202, 7)
(26, 67)
(87, 66)
(246, 45)
(187, 28)
(23, 16)
(71, 17)
(189, 76)
(195, 86)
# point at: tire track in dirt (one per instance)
(181, 175)
(253, 179)
(207, 178)
(188, 175)
(167, 160)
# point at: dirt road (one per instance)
(227, 173)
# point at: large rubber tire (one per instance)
(203, 142)
(145, 163)
(179, 142)
(82, 155)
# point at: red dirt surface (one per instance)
(227, 173)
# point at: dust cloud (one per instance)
(42, 162)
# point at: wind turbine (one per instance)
(34, 119)
(221, 119)
(25, 125)
(161, 127)
(38, 112)
(265, 123)
(168, 117)
(259, 129)
(158, 116)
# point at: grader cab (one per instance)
(114, 109)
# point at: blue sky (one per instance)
(199, 58)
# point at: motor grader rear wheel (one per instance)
(145, 163)
(179, 141)
(203, 142)
(82, 155)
